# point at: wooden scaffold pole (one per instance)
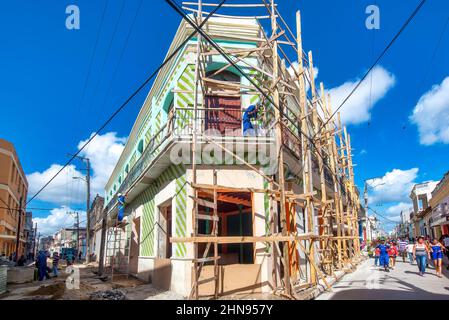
(280, 151)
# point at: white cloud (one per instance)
(103, 152)
(57, 219)
(396, 210)
(431, 114)
(394, 186)
(62, 190)
(295, 66)
(357, 108)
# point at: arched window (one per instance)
(127, 168)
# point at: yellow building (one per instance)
(13, 187)
(440, 207)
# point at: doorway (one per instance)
(165, 233)
(235, 219)
(134, 246)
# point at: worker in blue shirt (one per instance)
(121, 207)
(250, 113)
(384, 257)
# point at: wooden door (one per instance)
(228, 115)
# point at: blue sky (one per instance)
(44, 67)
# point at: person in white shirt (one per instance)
(409, 249)
(446, 244)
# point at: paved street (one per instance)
(404, 282)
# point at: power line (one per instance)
(178, 9)
(93, 55)
(108, 50)
(114, 74)
(377, 213)
(117, 111)
(377, 60)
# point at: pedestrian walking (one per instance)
(446, 245)
(402, 248)
(55, 264)
(42, 265)
(437, 256)
(383, 257)
(392, 253)
(421, 253)
(376, 257)
(409, 249)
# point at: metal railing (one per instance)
(219, 121)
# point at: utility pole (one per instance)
(77, 232)
(38, 240)
(87, 180)
(34, 240)
(19, 222)
(88, 211)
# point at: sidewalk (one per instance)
(402, 283)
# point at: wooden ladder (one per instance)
(198, 262)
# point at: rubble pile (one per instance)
(108, 295)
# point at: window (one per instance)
(120, 179)
(127, 168)
(140, 147)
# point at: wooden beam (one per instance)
(244, 239)
(203, 202)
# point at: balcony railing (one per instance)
(227, 122)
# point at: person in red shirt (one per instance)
(376, 256)
(393, 252)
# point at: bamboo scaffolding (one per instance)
(327, 149)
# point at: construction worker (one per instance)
(384, 257)
(250, 113)
(42, 265)
(121, 206)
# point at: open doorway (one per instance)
(235, 219)
(164, 234)
(134, 246)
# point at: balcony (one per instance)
(221, 125)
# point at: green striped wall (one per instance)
(185, 100)
(146, 199)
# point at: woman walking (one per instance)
(393, 253)
(437, 256)
(420, 254)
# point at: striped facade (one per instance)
(146, 200)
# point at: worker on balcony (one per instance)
(250, 113)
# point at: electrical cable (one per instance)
(120, 108)
(407, 22)
(83, 92)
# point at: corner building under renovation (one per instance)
(274, 209)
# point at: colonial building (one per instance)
(96, 216)
(29, 235)
(13, 188)
(440, 207)
(172, 201)
(422, 212)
